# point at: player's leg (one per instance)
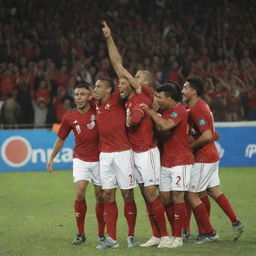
(81, 177)
(199, 180)
(80, 208)
(223, 202)
(130, 213)
(109, 184)
(99, 210)
(111, 214)
(186, 225)
(180, 176)
(125, 175)
(155, 239)
(227, 208)
(148, 167)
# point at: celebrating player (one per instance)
(85, 159)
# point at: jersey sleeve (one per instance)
(201, 120)
(175, 115)
(136, 114)
(65, 129)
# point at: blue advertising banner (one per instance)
(237, 144)
(29, 150)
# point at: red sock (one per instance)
(170, 216)
(186, 225)
(99, 210)
(179, 217)
(205, 200)
(225, 205)
(154, 227)
(111, 214)
(202, 218)
(130, 213)
(80, 209)
(157, 210)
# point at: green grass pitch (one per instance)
(37, 219)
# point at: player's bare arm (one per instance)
(116, 59)
(57, 147)
(161, 123)
(202, 140)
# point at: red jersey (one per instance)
(86, 134)
(110, 118)
(176, 149)
(201, 119)
(148, 91)
(141, 134)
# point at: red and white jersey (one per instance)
(110, 118)
(86, 134)
(176, 149)
(201, 119)
(140, 135)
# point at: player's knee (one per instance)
(128, 196)
(80, 196)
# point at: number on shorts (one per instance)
(131, 177)
(178, 180)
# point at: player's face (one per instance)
(81, 96)
(124, 88)
(101, 90)
(140, 77)
(187, 91)
(161, 99)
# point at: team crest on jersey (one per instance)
(107, 107)
(91, 125)
(201, 122)
(174, 114)
(92, 117)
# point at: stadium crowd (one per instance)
(46, 47)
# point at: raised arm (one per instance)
(57, 147)
(116, 59)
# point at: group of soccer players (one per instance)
(118, 134)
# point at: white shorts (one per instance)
(89, 171)
(117, 170)
(147, 167)
(175, 178)
(203, 176)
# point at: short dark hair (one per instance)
(82, 85)
(197, 84)
(171, 89)
(108, 82)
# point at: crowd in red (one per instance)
(46, 46)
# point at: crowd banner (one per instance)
(29, 150)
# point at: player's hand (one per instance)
(49, 166)
(106, 30)
(144, 106)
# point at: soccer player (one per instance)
(85, 159)
(116, 161)
(176, 156)
(204, 174)
(140, 135)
